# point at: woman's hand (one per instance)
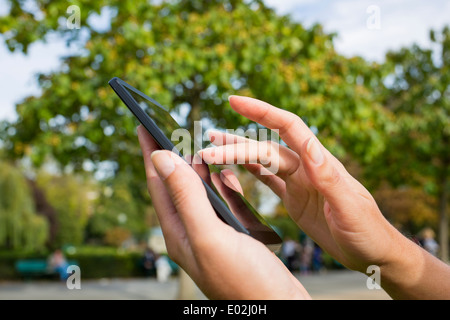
(332, 207)
(224, 263)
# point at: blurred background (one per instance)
(370, 78)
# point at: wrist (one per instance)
(403, 268)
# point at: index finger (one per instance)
(292, 129)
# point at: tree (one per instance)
(68, 195)
(408, 208)
(188, 55)
(185, 54)
(418, 149)
(20, 227)
(116, 209)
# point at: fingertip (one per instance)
(146, 141)
(234, 100)
(197, 159)
(212, 135)
(231, 97)
(207, 155)
(230, 180)
(165, 162)
(139, 131)
(142, 132)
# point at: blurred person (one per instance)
(306, 256)
(289, 251)
(163, 269)
(148, 262)
(325, 201)
(58, 263)
(428, 241)
(317, 261)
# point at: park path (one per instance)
(345, 285)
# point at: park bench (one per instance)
(36, 268)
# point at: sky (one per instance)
(365, 28)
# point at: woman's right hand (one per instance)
(332, 207)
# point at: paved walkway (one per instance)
(331, 285)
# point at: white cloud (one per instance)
(284, 6)
(402, 22)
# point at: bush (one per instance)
(8, 260)
(110, 263)
(330, 263)
(20, 227)
(94, 262)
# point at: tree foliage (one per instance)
(20, 227)
(117, 211)
(68, 195)
(184, 53)
(417, 152)
(418, 95)
(190, 55)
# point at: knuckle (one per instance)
(180, 196)
(333, 178)
(294, 121)
(265, 152)
(151, 180)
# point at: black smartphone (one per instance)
(229, 204)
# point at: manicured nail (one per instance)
(230, 180)
(314, 151)
(207, 154)
(229, 97)
(163, 163)
(197, 159)
(211, 136)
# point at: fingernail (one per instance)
(196, 159)
(211, 135)
(224, 178)
(163, 163)
(232, 184)
(206, 154)
(314, 151)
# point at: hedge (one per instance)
(94, 264)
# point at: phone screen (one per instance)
(235, 201)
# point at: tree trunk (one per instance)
(44, 208)
(186, 286)
(194, 115)
(187, 290)
(443, 219)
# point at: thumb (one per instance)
(187, 193)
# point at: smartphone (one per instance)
(229, 205)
